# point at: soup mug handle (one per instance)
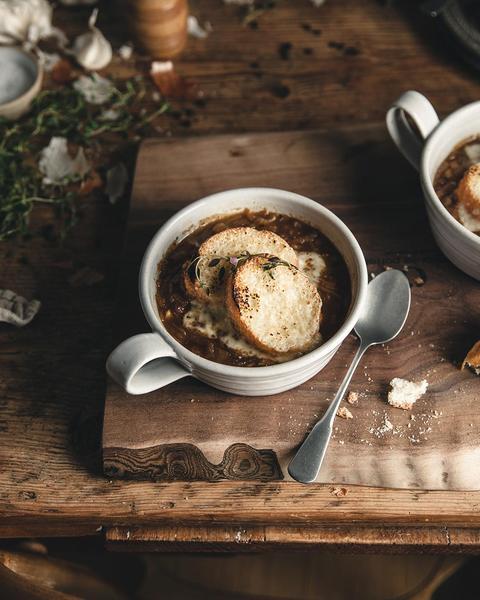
(144, 363)
(422, 114)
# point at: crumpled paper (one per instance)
(17, 310)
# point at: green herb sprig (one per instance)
(62, 112)
(194, 266)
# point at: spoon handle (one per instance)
(306, 463)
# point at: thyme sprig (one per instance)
(65, 113)
(194, 266)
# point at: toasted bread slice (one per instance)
(468, 190)
(274, 306)
(213, 262)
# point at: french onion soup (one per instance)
(253, 289)
(457, 183)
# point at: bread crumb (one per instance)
(339, 492)
(352, 398)
(405, 393)
(418, 281)
(344, 413)
(472, 360)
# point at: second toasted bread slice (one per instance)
(468, 190)
(219, 253)
(274, 306)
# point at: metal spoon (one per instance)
(384, 314)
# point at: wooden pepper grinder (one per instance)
(159, 26)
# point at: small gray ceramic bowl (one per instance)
(20, 81)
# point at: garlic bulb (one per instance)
(92, 50)
(24, 20)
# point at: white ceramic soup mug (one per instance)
(426, 148)
(149, 361)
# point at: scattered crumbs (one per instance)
(344, 413)
(339, 492)
(385, 427)
(366, 442)
(352, 398)
(412, 417)
(341, 442)
(405, 267)
(418, 281)
(192, 399)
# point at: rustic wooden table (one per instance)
(347, 61)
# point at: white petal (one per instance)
(95, 88)
(17, 310)
(125, 52)
(58, 166)
(196, 30)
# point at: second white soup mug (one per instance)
(426, 149)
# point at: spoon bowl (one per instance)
(386, 308)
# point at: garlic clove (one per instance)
(92, 50)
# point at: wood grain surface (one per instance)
(189, 431)
(52, 381)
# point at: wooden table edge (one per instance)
(241, 539)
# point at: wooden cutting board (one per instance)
(189, 431)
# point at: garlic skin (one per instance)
(92, 50)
